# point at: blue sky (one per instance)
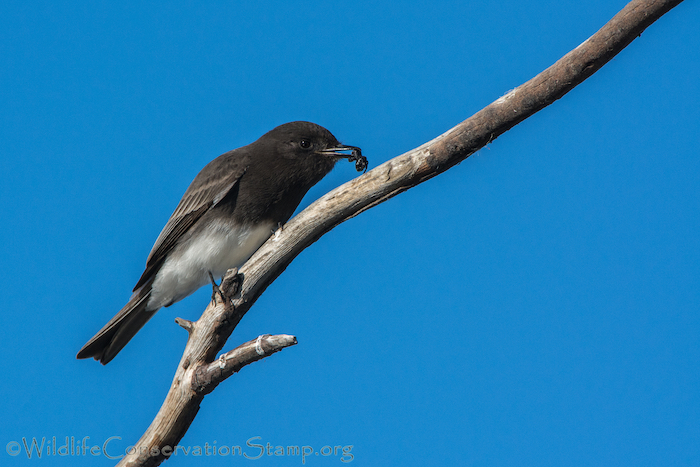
(535, 305)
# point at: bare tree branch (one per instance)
(199, 371)
(208, 377)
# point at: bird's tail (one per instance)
(107, 343)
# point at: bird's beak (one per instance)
(340, 151)
(351, 153)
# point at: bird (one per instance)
(229, 210)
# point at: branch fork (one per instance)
(199, 371)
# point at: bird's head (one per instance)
(311, 146)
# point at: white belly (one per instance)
(217, 249)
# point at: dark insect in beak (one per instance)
(354, 156)
(360, 160)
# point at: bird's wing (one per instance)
(217, 182)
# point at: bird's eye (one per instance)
(305, 144)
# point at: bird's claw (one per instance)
(216, 290)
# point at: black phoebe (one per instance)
(229, 210)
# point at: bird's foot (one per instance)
(216, 290)
(277, 232)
